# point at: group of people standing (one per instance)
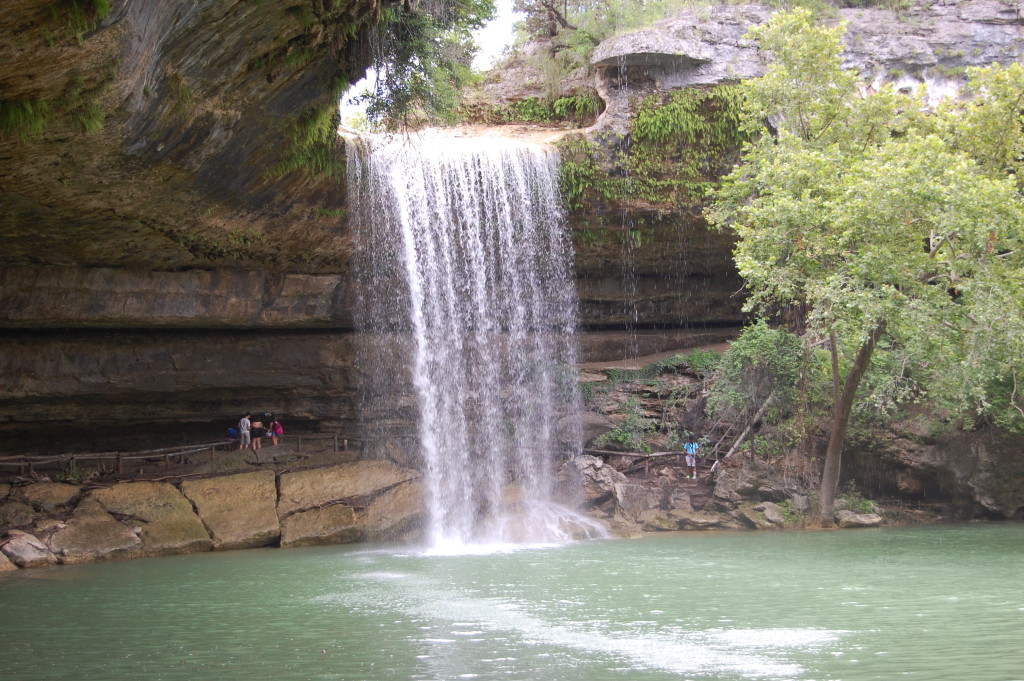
(252, 431)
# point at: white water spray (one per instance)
(464, 261)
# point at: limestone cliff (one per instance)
(160, 136)
(167, 260)
(173, 251)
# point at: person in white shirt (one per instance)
(243, 431)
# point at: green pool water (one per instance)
(929, 603)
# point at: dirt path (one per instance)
(637, 363)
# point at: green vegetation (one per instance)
(701, 362)
(314, 147)
(853, 500)
(24, 118)
(74, 18)
(422, 54)
(891, 238)
(792, 516)
(76, 107)
(681, 143)
(762, 363)
(331, 212)
(645, 402)
(578, 110)
(632, 431)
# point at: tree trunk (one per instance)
(557, 16)
(840, 421)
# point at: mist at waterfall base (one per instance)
(467, 311)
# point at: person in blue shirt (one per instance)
(692, 449)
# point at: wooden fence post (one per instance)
(335, 443)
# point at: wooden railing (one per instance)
(27, 463)
(645, 458)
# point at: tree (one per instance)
(877, 219)
(421, 54)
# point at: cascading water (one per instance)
(465, 272)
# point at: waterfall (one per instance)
(466, 295)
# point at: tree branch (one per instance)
(557, 16)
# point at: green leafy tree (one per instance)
(762, 365)
(421, 54)
(874, 219)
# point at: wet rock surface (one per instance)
(328, 525)
(234, 525)
(92, 534)
(846, 518)
(354, 482)
(47, 496)
(358, 501)
(26, 550)
(167, 521)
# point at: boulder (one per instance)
(679, 498)
(979, 474)
(5, 489)
(634, 500)
(356, 482)
(240, 511)
(169, 525)
(26, 550)
(92, 534)
(750, 478)
(586, 481)
(772, 513)
(15, 514)
(329, 525)
(6, 565)
(846, 518)
(398, 514)
(46, 496)
(753, 515)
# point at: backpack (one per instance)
(278, 428)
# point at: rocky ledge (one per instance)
(929, 42)
(49, 523)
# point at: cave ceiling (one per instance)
(153, 137)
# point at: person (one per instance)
(244, 425)
(258, 431)
(692, 448)
(275, 429)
